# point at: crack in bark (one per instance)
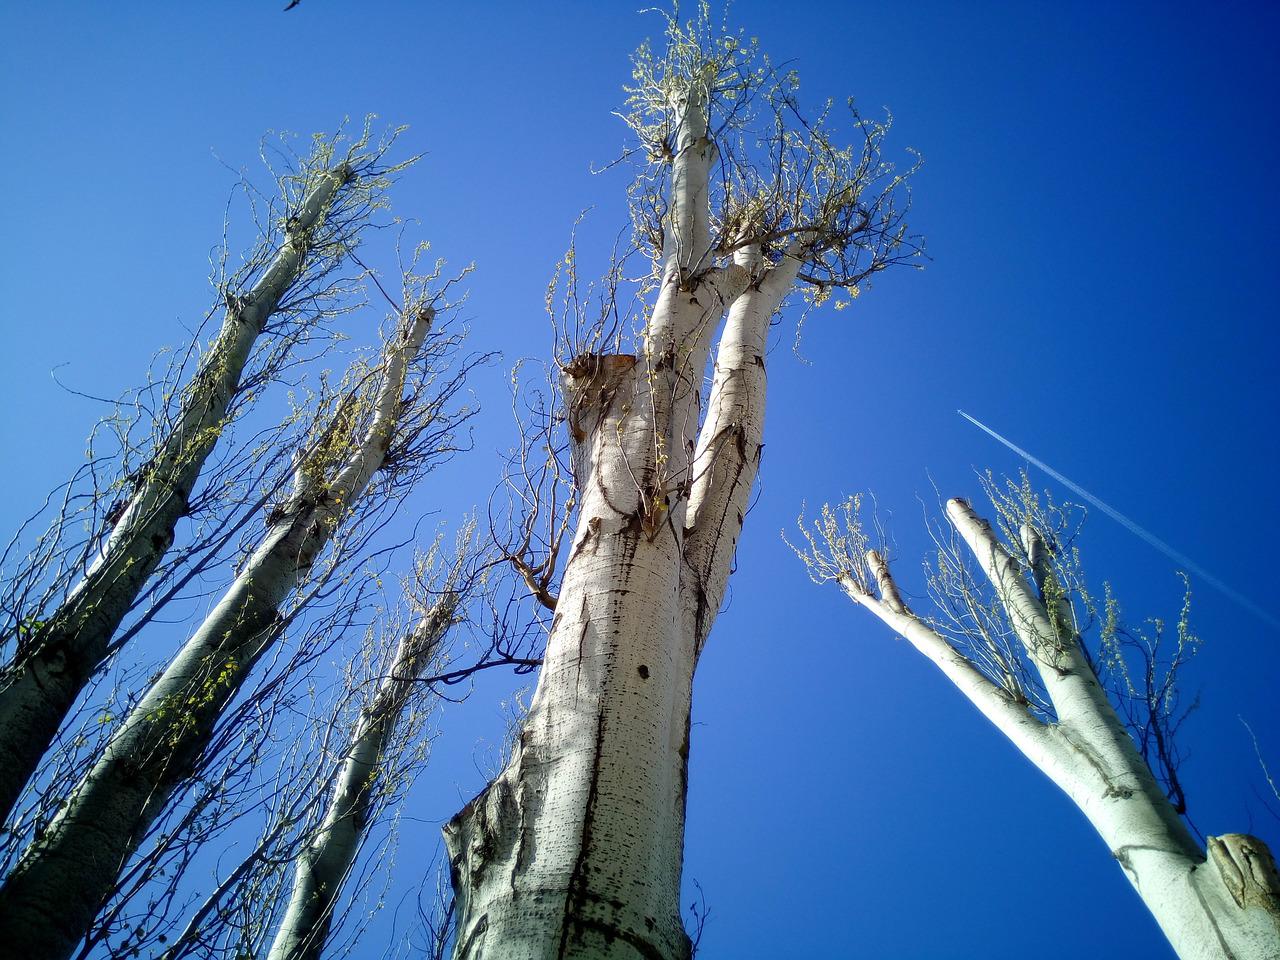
(1112, 789)
(573, 898)
(582, 641)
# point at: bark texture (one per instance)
(326, 861)
(1220, 904)
(51, 668)
(52, 896)
(575, 850)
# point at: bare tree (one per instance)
(265, 762)
(392, 420)
(575, 849)
(329, 855)
(65, 602)
(294, 890)
(1012, 639)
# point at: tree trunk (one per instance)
(576, 849)
(52, 896)
(1223, 906)
(327, 859)
(50, 670)
(1108, 780)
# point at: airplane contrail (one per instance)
(1180, 558)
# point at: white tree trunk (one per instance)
(326, 861)
(50, 899)
(40, 686)
(727, 459)
(1223, 906)
(575, 850)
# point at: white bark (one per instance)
(575, 850)
(727, 458)
(38, 689)
(1224, 906)
(326, 861)
(687, 238)
(49, 900)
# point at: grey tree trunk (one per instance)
(52, 667)
(328, 857)
(64, 878)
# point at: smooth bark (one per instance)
(328, 857)
(1219, 904)
(575, 849)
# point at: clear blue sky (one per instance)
(1100, 203)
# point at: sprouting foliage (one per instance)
(1139, 665)
(784, 180)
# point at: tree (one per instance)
(575, 849)
(1016, 650)
(329, 854)
(63, 606)
(393, 417)
(292, 891)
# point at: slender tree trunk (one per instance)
(1108, 780)
(327, 859)
(1223, 905)
(52, 896)
(53, 666)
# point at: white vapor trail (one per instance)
(1180, 558)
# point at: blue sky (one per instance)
(1100, 206)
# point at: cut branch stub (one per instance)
(589, 382)
(1248, 871)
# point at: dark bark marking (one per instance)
(582, 641)
(575, 890)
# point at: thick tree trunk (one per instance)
(326, 861)
(50, 670)
(576, 849)
(52, 896)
